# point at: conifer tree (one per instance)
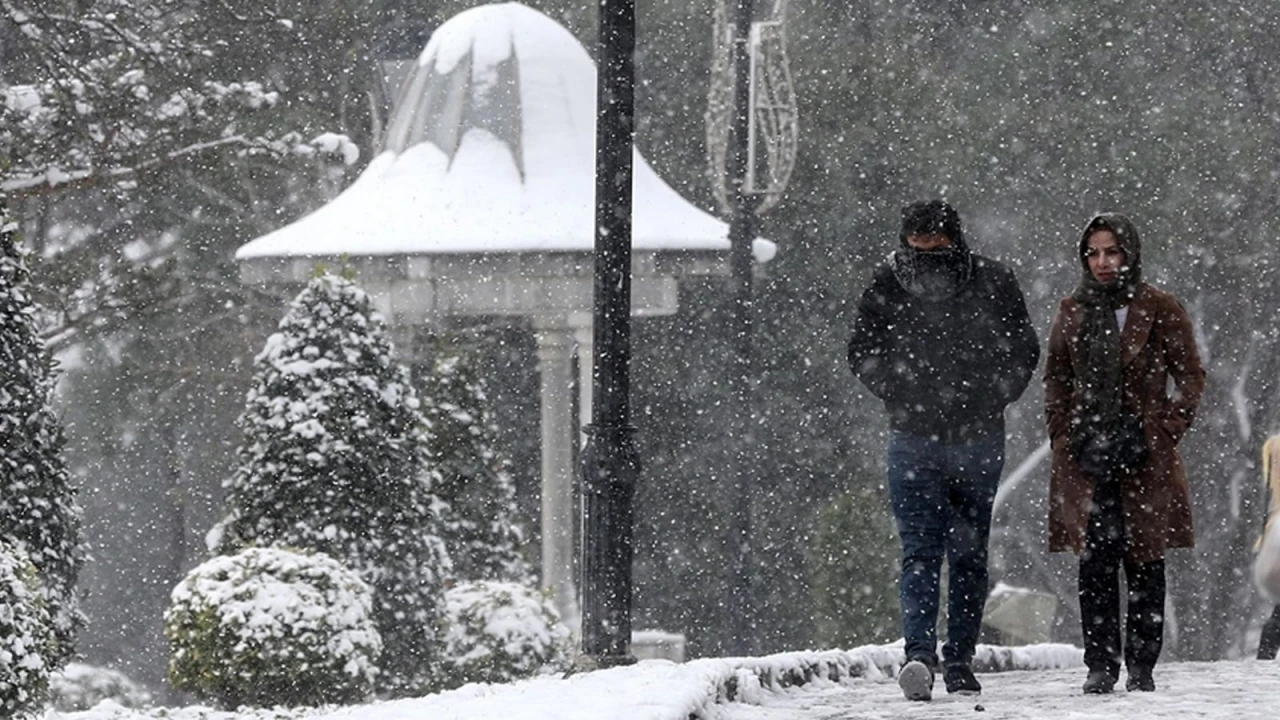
(332, 461)
(480, 528)
(38, 511)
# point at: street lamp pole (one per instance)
(741, 605)
(610, 463)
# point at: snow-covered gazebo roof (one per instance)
(491, 149)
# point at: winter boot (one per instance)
(916, 679)
(1099, 682)
(1140, 679)
(960, 680)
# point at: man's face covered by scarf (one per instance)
(933, 262)
(938, 266)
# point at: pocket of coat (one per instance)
(1164, 424)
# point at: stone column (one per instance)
(581, 324)
(555, 365)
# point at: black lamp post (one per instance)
(610, 463)
(740, 605)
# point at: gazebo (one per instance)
(481, 203)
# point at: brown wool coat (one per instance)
(1157, 343)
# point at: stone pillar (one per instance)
(555, 365)
(581, 324)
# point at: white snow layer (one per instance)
(1043, 682)
(649, 690)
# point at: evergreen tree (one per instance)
(138, 149)
(480, 531)
(855, 567)
(38, 511)
(332, 461)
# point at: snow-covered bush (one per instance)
(80, 686)
(479, 526)
(269, 626)
(501, 631)
(333, 460)
(26, 637)
(38, 512)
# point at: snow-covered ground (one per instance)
(829, 685)
(1227, 690)
(650, 690)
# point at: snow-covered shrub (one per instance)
(479, 526)
(80, 686)
(269, 626)
(333, 461)
(38, 512)
(501, 631)
(26, 637)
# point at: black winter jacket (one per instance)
(945, 368)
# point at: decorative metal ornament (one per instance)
(774, 120)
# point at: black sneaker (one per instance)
(1099, 682)
(916, 680)
(960, 680)
(1140, 679)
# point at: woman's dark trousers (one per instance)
(1270, 641)
(1100, 564)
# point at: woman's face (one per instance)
(1104, 256)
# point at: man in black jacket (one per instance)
(942, 336)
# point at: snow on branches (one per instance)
(333, 461)
(116, 88)
(38, 512)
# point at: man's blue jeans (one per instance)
(942, 495)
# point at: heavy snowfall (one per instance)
(295, 315)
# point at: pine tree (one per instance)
(332, 461)
(855, 572)
(38, 511)
(480, 529)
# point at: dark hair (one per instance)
(926, 217)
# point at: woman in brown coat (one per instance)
(1118, 495)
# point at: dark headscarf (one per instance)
(932, 274)
(1098, 347)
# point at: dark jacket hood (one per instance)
(933, 216)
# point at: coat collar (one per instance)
(1137, 327)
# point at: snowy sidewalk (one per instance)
(1235, 690)
(1039, 681)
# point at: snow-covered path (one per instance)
(1235, 690)
(855, 684)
